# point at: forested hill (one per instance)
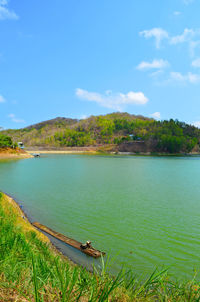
(62, 121)
(116, 128)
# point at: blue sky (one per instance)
(79, 58)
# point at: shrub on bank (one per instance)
(5, 141)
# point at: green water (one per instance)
(145, 211)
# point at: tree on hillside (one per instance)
(5, 141)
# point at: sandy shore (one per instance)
(61, 152)
(14, 155)
(10, 153)
(110, 152)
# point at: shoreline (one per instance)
(9, 153)
(23, 220)
(98, 152)
(15, 156)
(61, 152)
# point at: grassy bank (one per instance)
(31, 270)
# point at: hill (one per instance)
(58, 121)
(133, 133)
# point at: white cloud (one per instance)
(190, 36)
(155, 64)
(2, 100)
(189, 77)
(196, 124)
(177, 76)
(115, 101)
(186, 36)
(14, 119)
(83, 117)
(158, 33)
(193, 45)
(5, 12)
(157, 73)
(177, 13)
(196, 63)
(156, 115)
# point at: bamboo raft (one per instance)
(77, 245)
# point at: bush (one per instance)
(5, 141)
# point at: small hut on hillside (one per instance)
(20, 145)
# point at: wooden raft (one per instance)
(77, 245)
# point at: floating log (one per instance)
(77, 245)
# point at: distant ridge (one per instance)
(57, 120)
(118, 131)
(70, 121)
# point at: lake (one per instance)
(144, 211)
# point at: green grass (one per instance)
(30, 270)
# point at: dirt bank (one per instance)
(9, 153)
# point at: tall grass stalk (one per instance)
(35, 280)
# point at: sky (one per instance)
(78, 58)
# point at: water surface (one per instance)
(145, 211)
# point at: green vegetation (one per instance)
(161, 136)
(31, 270)
(5, 141)
(71, 138)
